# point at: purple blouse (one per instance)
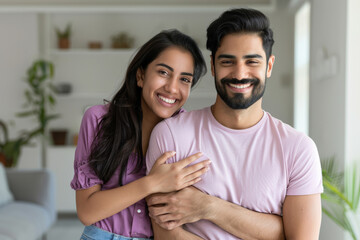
(133, 221)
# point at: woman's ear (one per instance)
(140, 77)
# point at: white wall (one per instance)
(327, 92)
(353, 84)
(278, 98)
(18, 48)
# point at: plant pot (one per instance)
(64, 43)
(59, 137)
(5, 161)
(95, 45)
(118, 45)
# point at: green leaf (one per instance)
(51, 99)
(26, 114)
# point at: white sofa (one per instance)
(27, 207)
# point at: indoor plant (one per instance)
(122, 40)
(64, 37)
(10, 149)
(342, 196)
(40, 96)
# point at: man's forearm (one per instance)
(176, 234)
(243, 223)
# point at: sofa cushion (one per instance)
(4, 237)
(5, 194)
(23, 220)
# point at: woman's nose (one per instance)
(172, 86)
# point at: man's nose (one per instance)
(239, 72)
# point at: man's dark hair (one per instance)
(240, 21)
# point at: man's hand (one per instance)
(171, 210)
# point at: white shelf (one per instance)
(85, 51)
(84, 96)
(132, 8)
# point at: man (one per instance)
(265, 178)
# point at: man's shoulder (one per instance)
(287, 132)
(186, 118)
(183, 124)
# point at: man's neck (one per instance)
(237, 119)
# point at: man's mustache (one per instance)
(237, 81)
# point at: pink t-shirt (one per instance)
(255, 168)
(131, 222)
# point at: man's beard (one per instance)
(238, 101)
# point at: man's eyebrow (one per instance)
(171, 69)
(244, 57)
(225, 56)
(252, 56)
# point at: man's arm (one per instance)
(190, 205)
(176, 234)
(302, 217)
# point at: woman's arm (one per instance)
(94, 204)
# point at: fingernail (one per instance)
(173, 153)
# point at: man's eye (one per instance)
(187, 80)
(252, 62)
(226, 62)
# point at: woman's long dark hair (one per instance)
(119, 132)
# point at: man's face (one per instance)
(240, 70)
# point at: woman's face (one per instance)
(166, 82)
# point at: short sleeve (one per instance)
(84, 176)
(305, 171)
(161, 141)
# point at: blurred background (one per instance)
(314, 86)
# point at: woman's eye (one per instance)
(164, 73)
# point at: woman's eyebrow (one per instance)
(164, 65)
(171, 69)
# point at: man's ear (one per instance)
(270, 66)
(140, 77)
(212, 66)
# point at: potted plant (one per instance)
(10, 149)
(342, 196)
(64, 37)
(40, 97)
(40, 94)
(122, 40)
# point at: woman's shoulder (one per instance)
(96, 111)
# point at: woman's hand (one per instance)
(176, 176)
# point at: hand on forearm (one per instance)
(177, 208)
(244, 223)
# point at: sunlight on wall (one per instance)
(301, 69)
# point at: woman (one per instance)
(109, 166)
